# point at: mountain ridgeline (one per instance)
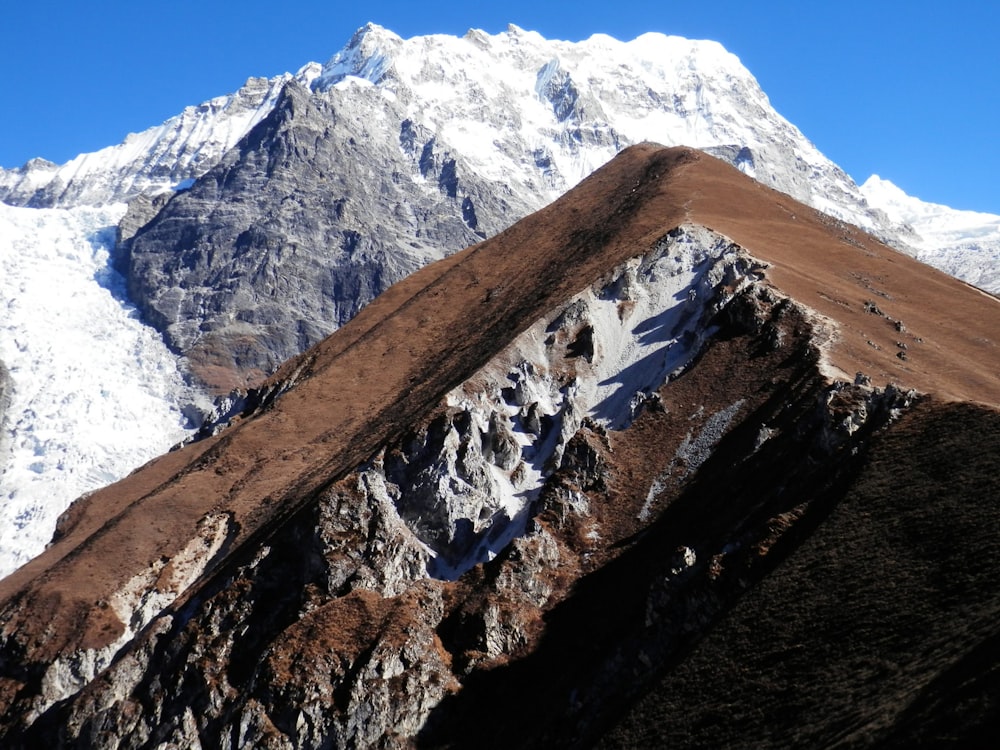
(675, 459)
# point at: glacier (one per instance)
(94, 392)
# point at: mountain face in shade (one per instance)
(673, 457)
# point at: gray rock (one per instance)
(6, 388)
(298, 228)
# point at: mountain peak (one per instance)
(368, 55)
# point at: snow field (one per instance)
(95, 392)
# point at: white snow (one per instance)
(486, 98)
(965, 244)
(95, 392)
(647, 322)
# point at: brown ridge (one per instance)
(390, 365)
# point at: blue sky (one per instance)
(907, 90)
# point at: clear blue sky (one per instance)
(906, 89)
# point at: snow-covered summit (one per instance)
(542, 114)
(965, 244)
(155, 160)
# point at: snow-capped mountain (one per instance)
(542, 114)
(157, 159)
(403, 151)
(262, 220)
(965, 244)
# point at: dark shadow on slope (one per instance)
(597, 644)
(879, 630)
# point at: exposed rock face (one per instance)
(537, 499)
(297, 229)
(467, 482)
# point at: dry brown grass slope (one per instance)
(385, 370)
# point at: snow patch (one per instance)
(597, 360)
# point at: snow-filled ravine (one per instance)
(94, 392)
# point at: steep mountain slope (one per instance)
(299, 227)
(625, 413)
(880, 629)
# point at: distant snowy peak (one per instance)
(937, 225)
(155, 160)
(542, 114)
(363, 57)
(965, 244)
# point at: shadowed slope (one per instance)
(879, 630)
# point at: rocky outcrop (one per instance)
(535, 501)
(298, 228)
(467, 482)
